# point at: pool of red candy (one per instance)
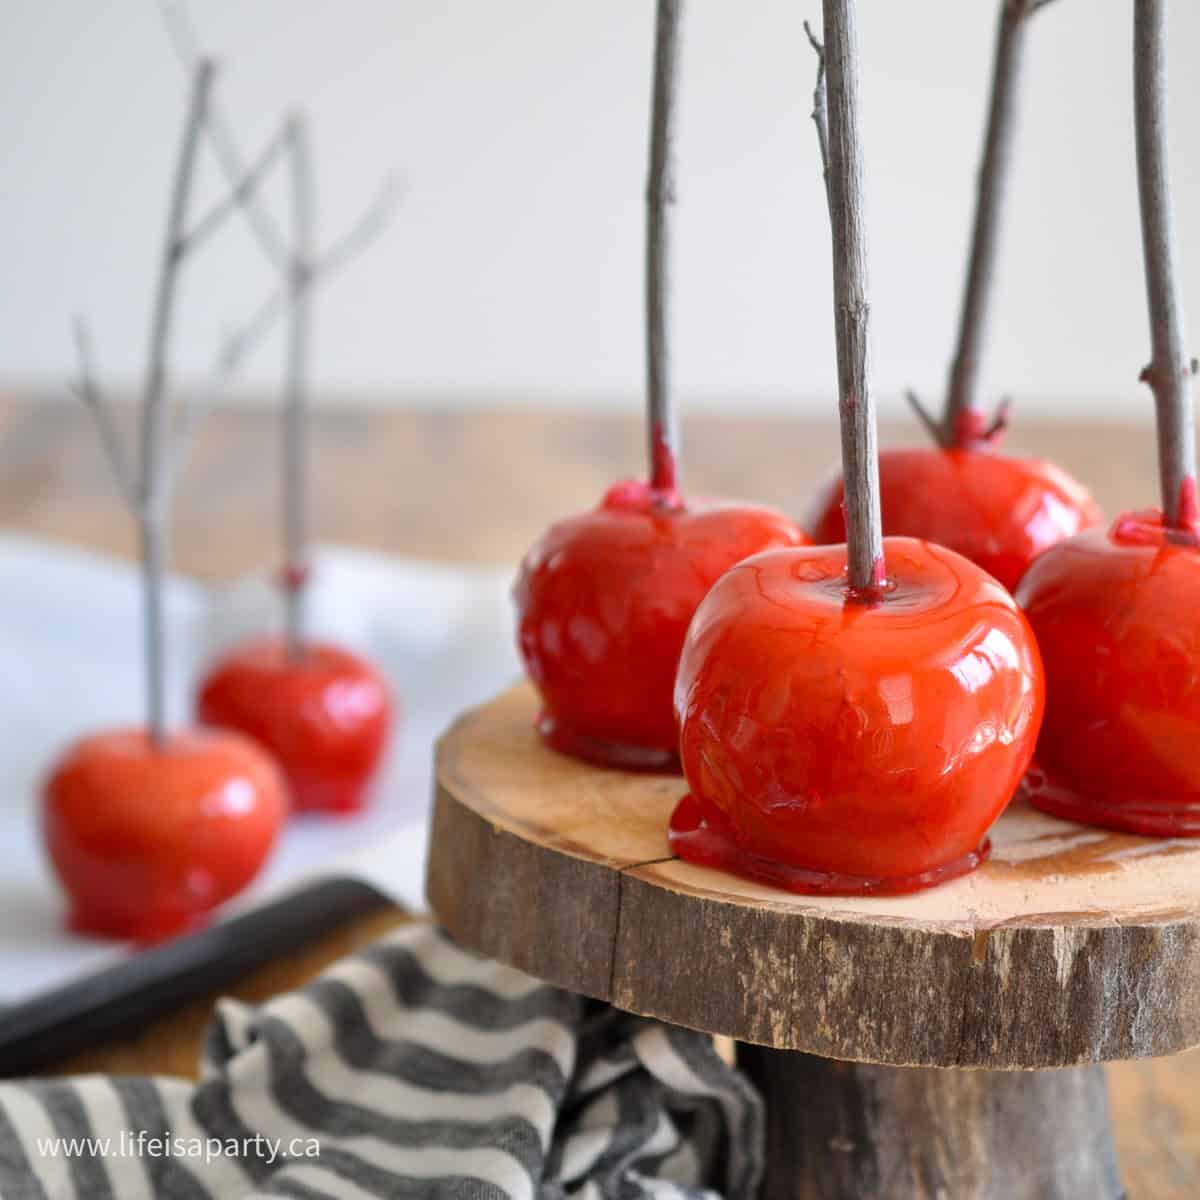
(325, 716)
(701, 834)
(1116, 613)
(604, 599)
(832, 744)
(147, 839)
(998, 511)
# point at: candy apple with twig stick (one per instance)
(324, 712)
(148, 828)
(604, 597)
(853, 717)
(1115, 611)
(997, 510)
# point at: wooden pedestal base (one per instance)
(900, 1041)
(851, 1131)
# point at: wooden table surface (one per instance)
(477, 487)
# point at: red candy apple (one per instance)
(147, 839)
(1116, 616)
(999, 512)
(1116, 613)
(835, 743)
(323, 714)
(604, 600)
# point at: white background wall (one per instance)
(518, 127)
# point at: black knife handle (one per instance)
(52, 1026)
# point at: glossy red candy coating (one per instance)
(872, 742)
(324, 717)
(998, 511)
(1117, 614)
(145, 840)
(603, 602)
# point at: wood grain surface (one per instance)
(903, 1133)
(479, 486)
(1068, 946)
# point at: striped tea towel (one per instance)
(413, 1069)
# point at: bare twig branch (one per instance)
(295, 401)
(148, 489)
(240, 194)
(819, 116)
(999, 419)
(302, 268)
(362, 233)
(1170, 369)
(662, 430)
(274, 243)
(305, 272)
(818, 49)
(962, 389)
(242, 342)
(924, 415)
(85, 356)
(264, 317)
(860, 456)
(277, 301)
(88, 390)
(233, 353)
(224, 144)
(154, 397)
(152, 495)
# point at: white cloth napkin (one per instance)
(70, 644)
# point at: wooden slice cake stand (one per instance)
(1070, 947)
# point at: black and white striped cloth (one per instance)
(413, 1069)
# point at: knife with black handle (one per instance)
(43, 1031)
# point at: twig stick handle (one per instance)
(662, 426)
(295, 400)
(1169, 372)
(152, 516)
(860, 458)
(152, 538)
(962, 389)
(154, 425)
